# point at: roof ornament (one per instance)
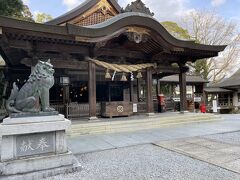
(138, 6)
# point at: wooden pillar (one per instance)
(92, 90)
(229, 99)
(183, 92)
(138, 89)
(158, 87)
(131, 91)
(66, 99)
(205, 95)
(109, 92)
(65, 94)
(205, 98)
(193, 95)
(149, 98)
(235, 100)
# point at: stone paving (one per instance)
(231, 138)
(145, 162)
(194, 151)
(218, 153)
(93, 143)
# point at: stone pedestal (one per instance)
(35, 144)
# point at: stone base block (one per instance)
(43, 173)
(34, 144)
(36, 164)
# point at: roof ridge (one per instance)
(86, 5)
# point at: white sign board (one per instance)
(176, 99)
(215, 108)
(135, 108)
(197, 99)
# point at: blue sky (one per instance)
(163, 9)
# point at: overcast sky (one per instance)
(164, 9)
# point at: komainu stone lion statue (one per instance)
(36, 89)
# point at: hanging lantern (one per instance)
(107, 75)
(124, 78)
(139, 75)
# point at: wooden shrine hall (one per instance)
(105, 57)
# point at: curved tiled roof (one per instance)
(138, 19)
(109, 27)
(216, 90)
(234, 80)
(79, 10)
(189, 79)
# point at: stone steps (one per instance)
(114, 126)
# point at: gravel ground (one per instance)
(145, 162)
(231, 138)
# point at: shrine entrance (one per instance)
(92, 44)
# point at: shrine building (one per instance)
(104, 56)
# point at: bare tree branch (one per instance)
(208, 28)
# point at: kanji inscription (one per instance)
(34, 144)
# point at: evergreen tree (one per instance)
(15, 9)
(43, 17)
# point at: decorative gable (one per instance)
(100, 12)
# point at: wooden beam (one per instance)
(34, 35)
(120, 53)
(166, 69)
(59, 63)
(48, 47)
(66, 48)
(19, 44)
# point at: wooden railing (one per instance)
(222, 103)
(77, 110)
(141, 107)
(189, 96)
(225, 102)
(59, 107)
(170, 104)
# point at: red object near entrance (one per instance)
(161, 100)
(203, 108)
(161, 103)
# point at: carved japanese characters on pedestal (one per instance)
(34, 91)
